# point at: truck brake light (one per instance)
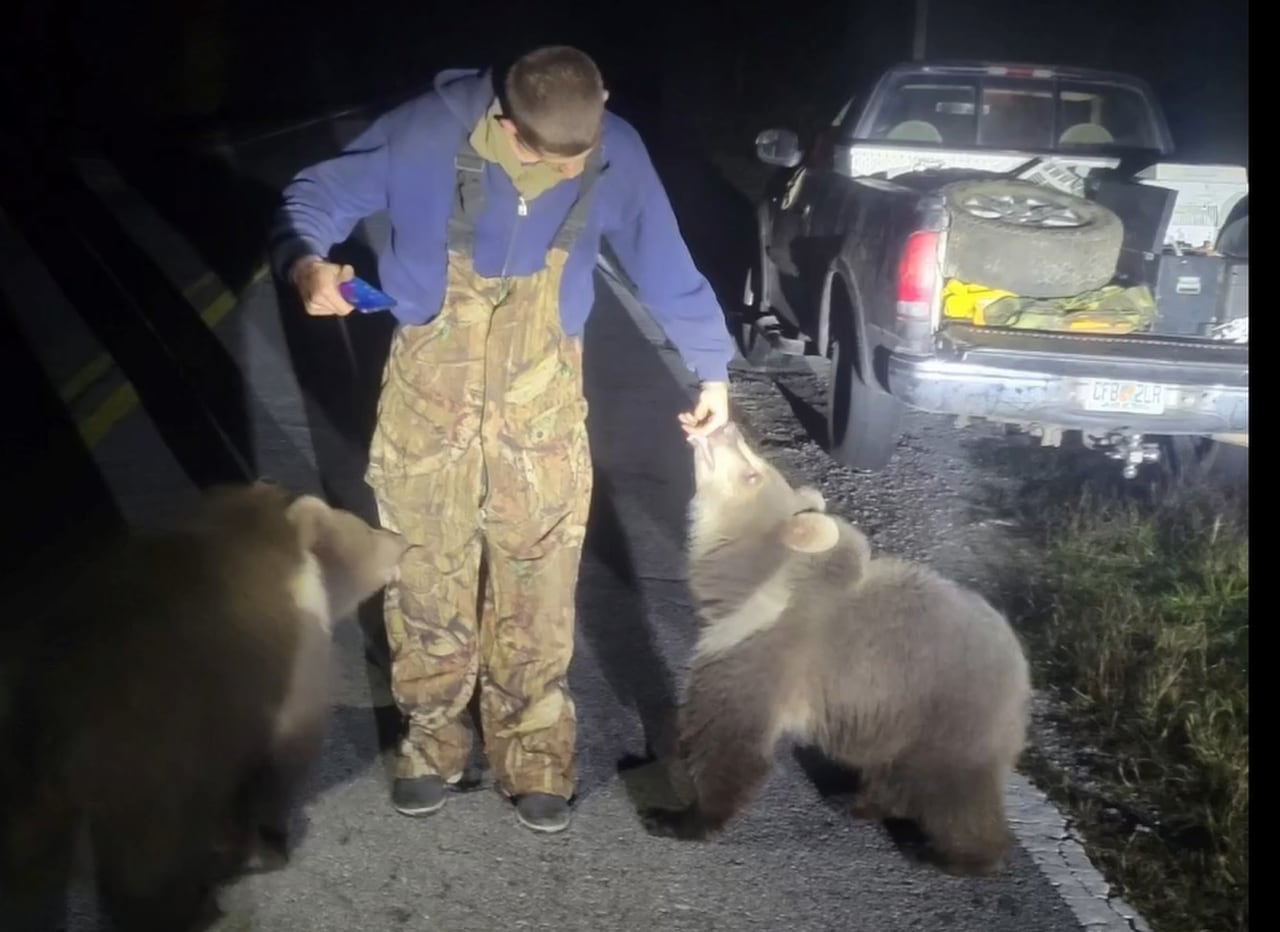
(1005, 71)
(918, 275)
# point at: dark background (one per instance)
(716, 70)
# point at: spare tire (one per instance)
(1029, 239)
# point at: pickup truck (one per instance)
(1043, 185)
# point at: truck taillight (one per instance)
(918, 275)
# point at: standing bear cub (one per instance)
(168, 704)
(914, 681)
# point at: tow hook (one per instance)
(1131, 450)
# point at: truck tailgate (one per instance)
(1095, 382)
(1084, 355)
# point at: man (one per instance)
(498, 198)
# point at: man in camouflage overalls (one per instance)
(480, 453)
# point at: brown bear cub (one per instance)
(167, 707)
(890, 669)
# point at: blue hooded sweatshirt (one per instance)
(404, 163)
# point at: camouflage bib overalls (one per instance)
(480, 456)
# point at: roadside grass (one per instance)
(1142, 631)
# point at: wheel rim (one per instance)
(1025, 210)
(746, 317)
(749, 335)
(838, 391)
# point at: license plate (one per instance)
(1124, 397)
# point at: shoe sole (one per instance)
(419, 810)
(544, 829)
(463, 785)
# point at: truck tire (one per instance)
(1233, 238)
(1233, 241)
(1203, 459)
(1031, 240)
(863, 422)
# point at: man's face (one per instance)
(569, 166)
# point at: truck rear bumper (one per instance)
(1142, 397)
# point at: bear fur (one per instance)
(914, 681)
(165, 709)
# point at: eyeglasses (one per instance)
(564, 164)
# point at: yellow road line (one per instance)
(97, 423)
(86, 377)
(113, 409)
(93, 371)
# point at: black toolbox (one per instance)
(1194, 292)
(1189, 291)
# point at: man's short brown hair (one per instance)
(555, 97)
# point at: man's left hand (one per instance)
(711, 412)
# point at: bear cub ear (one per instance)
(311, 516)
(810, 532)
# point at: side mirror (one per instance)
(778, 147)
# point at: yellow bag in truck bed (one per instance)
(1110, 309)
(965, 301)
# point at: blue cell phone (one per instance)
(364, 297)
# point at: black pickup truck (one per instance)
(953, 185)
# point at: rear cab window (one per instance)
(1003, 111)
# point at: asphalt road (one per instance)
(793, 862)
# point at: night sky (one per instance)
(81, 64)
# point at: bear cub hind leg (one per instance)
(961, 813)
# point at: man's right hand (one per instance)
(317, 283)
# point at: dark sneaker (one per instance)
(418, 796)
(543, 812)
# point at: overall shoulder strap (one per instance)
(576, 219)
(468, 201)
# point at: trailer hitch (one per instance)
(1131, 449)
